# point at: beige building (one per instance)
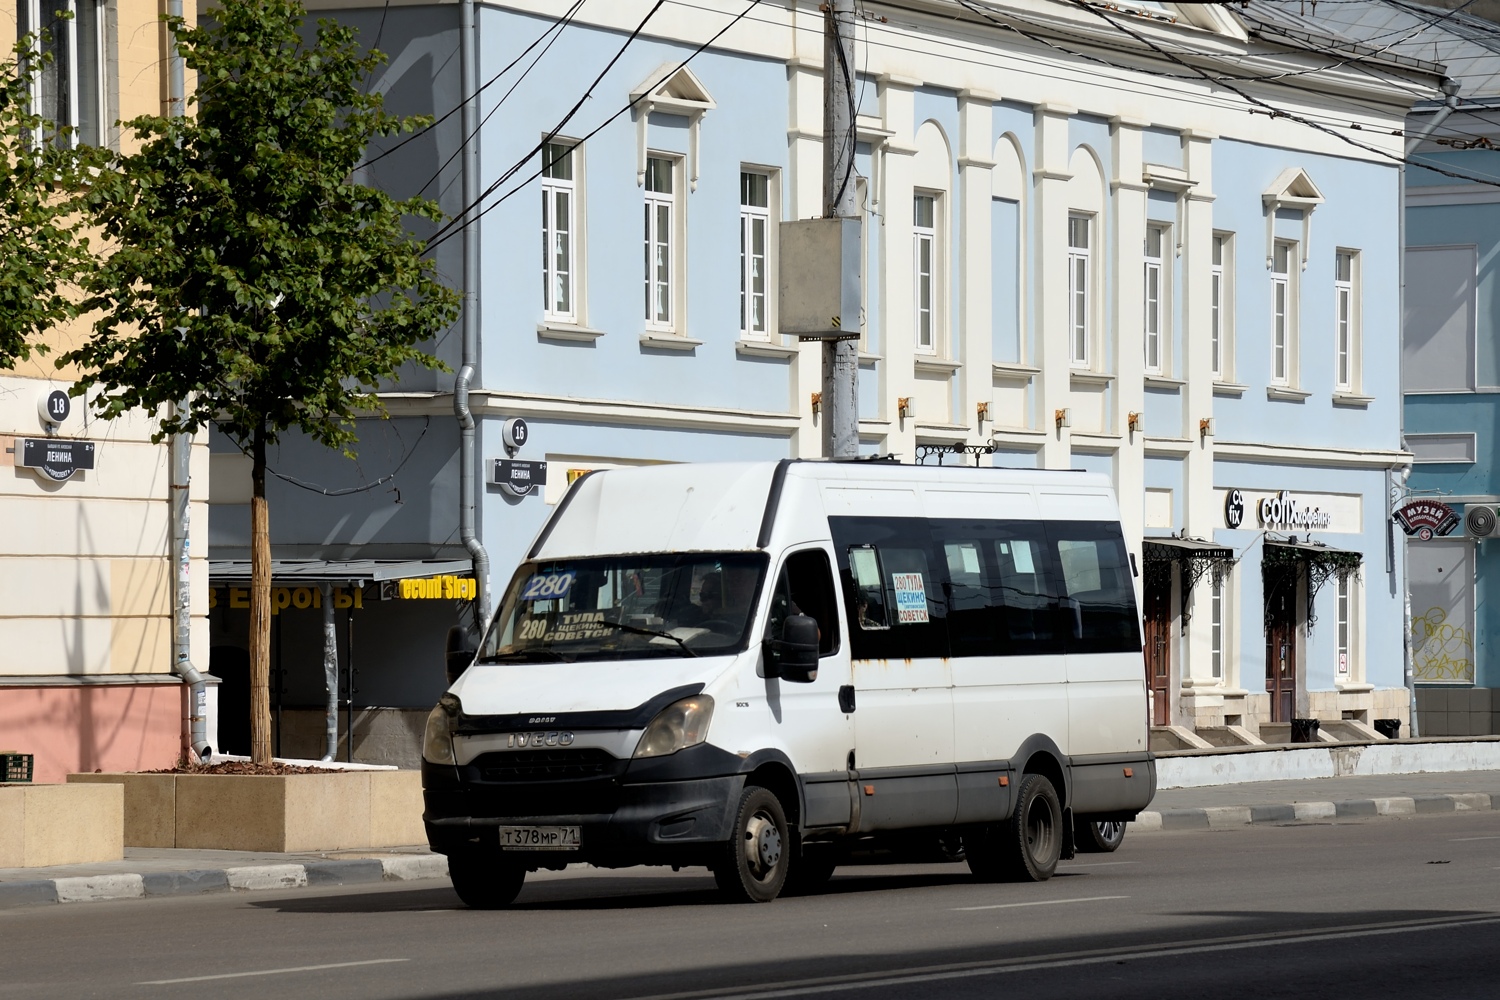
(86, 677)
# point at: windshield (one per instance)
(626, 607)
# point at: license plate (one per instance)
(539, 838)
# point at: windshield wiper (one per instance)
(549, 654)
(649, 631)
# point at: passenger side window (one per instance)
(1098, 600)
(805, 586)
(999, 597)
(894, 585)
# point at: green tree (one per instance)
(42, 249)
(253, 284)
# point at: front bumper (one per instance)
(668, 811)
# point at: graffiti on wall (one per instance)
(1440, 651)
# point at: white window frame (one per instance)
(1346, 323)
(662, 228)
(1156, 329)
(927, 322)
(1217, 584)
(1343, 592)
(65, 46)
(555, 189)
(1221, 306)
(1080, 292)
(1284, 310)
(763, 216)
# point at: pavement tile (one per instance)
(93, 889)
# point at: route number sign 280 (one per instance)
(548, 586)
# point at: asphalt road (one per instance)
(1383, 908)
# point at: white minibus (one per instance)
(771, 669)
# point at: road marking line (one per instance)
(1039, 902)
(854, 981)
(1462, 840)
(272, 972)
(1103, 864)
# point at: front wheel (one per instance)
(753, 866)
(483, 881)
(1098, 836)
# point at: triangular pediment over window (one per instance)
(1293, 189)
(675, 93)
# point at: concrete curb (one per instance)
(250, 878)
(1226, 817)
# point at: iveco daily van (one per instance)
(769, 669)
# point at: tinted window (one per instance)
(894, 581)
(1097, 595)
(1000, 599)
(805, 586)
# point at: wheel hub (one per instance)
(764, 848)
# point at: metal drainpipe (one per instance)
(1450, 105)
(330, 674)
(181, 450)
(467, 466)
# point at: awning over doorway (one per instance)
(312, 571)
(1194, 558)
(1323, 562)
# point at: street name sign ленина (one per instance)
(57, 458)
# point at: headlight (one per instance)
(437, 741)
(681, 724)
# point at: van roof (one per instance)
(732, 506)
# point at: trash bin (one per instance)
(1305, 731)
(1389, 728)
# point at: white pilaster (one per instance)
(1050, 240)
(976, 298)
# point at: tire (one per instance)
(809, 875)
(754, 864)
(483, 881)
(1098, 836)
(1026, 847)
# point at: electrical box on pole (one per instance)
(820, 279)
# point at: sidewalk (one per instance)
(146, 871)
(149, 872)
(1310, 799)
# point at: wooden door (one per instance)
(1281, 642)
(1158, 622)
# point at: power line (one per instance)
(449, 230)
(557, 26)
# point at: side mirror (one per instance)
(795, 654)
(459, 650)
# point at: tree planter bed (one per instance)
(45, 825)
(270, 813)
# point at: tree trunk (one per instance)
(260, 606)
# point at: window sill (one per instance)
(1353, 687)
(1013, 373)
(1287, 393)
(764, 349)
(1229, 389)
(955, 430)
(1352, 399)
(1165, 382)
(1085, 378)
(567, 331)
(870, 359)
(936, 366)
(669, 342)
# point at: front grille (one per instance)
(547, 765)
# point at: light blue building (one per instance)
(1073, 260)
(1450, 361)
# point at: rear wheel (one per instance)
(1098, 836)
(753, 866)
(484, 881)
(1026, 847)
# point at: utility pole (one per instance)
(840, 402)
